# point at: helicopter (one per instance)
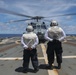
(39, 27)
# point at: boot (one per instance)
(50, 66)
(25, 70)
(59, 65)
(36, 70)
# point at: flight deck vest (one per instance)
(55, 32)
(29, 38)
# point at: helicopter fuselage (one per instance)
(39, 29)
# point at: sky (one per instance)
(45, 8)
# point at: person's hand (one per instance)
(33, 46)
(26, 47)
(29, 48)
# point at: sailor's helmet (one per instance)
(54, 23)
(29, 28)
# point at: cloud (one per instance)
(41, 7)
(70, 29)
(44, 8)
(3, 4)
(69, 17)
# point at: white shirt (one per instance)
(26, 46)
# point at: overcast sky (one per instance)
(45, 8)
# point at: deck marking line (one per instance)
(69, 56)
(16, 58)
(20, 58)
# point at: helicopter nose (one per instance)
(41, 36)
(39, 33)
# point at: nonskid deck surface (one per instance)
(12, 55)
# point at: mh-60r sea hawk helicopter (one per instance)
(39, 27)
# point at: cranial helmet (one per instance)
(54, 23)
(29, 28)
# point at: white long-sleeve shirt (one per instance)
(26, 45)
(50, 39)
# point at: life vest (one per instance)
(55, 32)
(29, 38)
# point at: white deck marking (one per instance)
(54, 71)
(16, 58)
(20, 58)
(69, 56)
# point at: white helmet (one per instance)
(29, 28)
(54, 23)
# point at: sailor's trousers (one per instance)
(30, 54)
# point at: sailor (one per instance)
(29, 41)
(55, 35)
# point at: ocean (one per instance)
(19, 35)
(10, 35)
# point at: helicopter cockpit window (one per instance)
(38, 26)
(43, 27)
(34, 27)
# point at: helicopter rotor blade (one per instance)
(2, 10)
(70, 14)
(12, 21)
(48, 20)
